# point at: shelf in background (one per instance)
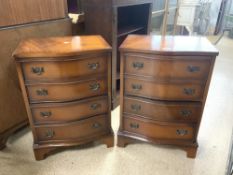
(128, 30)
(118, 76)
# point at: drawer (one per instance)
(150, 129)
(163, 91)
(59, 92)
(53, 70)
(73, 131)
(71, 111)
(165, 68)
(163, 111)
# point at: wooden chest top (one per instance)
(169, 45)
(60, 46)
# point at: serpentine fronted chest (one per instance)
(66, 85)
(164, 85)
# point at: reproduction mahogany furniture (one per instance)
(114, 20)
(12, 109)
(66, 85)
(164, 85)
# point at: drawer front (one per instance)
(73, 131)
(68, 91)
(150, 129)
(165, 68)
(163, 91)
(65, 112)
(163, 111)
(47, 70)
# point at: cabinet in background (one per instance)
(12, 109)
(27, 11)
(114, 20)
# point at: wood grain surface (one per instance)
(169, 45)
(14, 12)
(60, 46)
(164, 85)
(13, 113)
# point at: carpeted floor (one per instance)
(230, 164)
(141, 159)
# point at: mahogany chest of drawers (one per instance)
(66, 85)
(164, 85)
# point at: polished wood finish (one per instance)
(42, 151)
(178, 45)
(71, 111)
(148, 128)
(93, 126)
(12, 108)
(162, 67)
(165, 91)
(67, 90)
(74, 67)
(54, 92)
(114, 20)
(163, 110)
(14, 12)
(164, 85)
(61, 47)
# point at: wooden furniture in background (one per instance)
(14, 12)
(114, 20)
(12, 109)
(77, 24)
(75, 6)
(164, 85)
(66, 84)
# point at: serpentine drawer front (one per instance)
(182, 67)
(163, 111)
(69, 68)
(163, 91)
(74, 131)
(71, 111)
(164, 86)
(147, 128)
(55, 91)
(66, 84)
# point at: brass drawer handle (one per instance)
(93, 66)
(45, 114)
(95, 106)
(49, 134)
(134, 125)
(37, 70)
(193, 68)
(136, 87)
(138, 65)
(185, 113)
(95, 86)
(181, 132)
(189, 91)
(42, 92)
(136, 107)
(96, 125)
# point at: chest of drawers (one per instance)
(66, 85)
(164, 85)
